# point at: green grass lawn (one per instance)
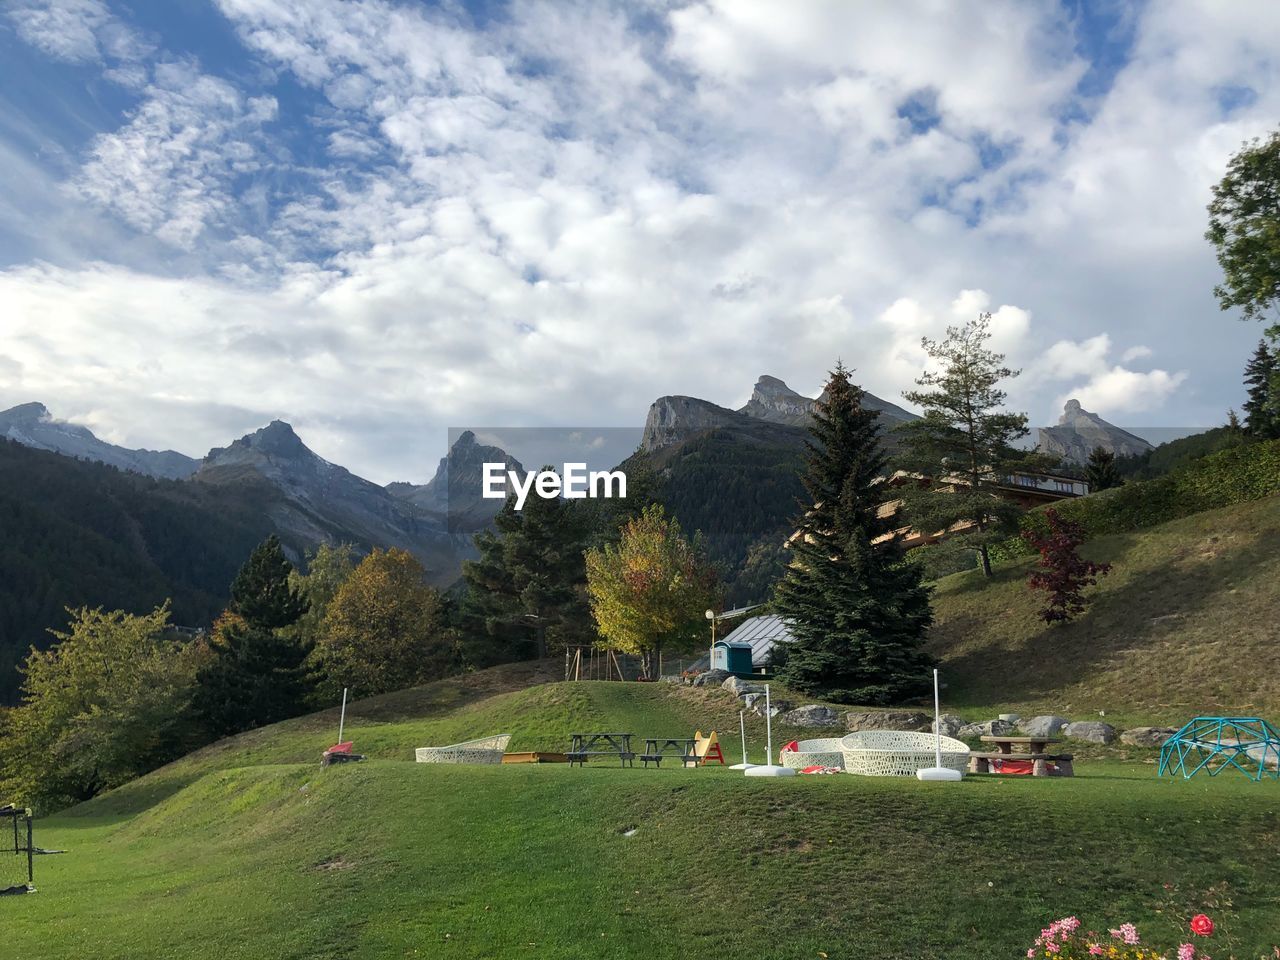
(249, 849)
(394, 859)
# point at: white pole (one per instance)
(768, 768)
(742, 733)
(768, 726)
(938, 771)
(937, 721)
(343, 721)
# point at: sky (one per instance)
(378, 220)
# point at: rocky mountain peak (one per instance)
(26, 413)
(673, 419)
(32, 425)
(773, 400)
(1079, 431)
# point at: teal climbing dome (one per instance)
(1213, 744)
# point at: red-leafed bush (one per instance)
(1063, 573)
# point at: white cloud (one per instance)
(172, 169)
(1121, 391)
(569, 212)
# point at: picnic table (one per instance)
(655, 748)
(1033, 749)
(584, 745)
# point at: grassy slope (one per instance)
(248, 849)
(1184, 624)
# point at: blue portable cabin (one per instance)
(732, 655)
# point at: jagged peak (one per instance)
(27, 413)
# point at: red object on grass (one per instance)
(1201, 925)
(344, 747)
(1013, 767)
(793, 746)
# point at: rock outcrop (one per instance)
(1079, 431)
(1094, 731)
(773, 400)
(456, 490)
(889, 720)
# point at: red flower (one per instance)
(1201, 925)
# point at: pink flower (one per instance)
(1052, 947)
(1127, 932)
(1031, 952)
(1186, 952)
(1095, 950)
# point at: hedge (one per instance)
(1250, 471)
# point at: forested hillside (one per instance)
(740, 490)
(79, 533)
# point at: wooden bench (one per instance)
(582, 744)
(655, 748)
(981, 762)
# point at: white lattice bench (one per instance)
(899, 753)
(483, 750)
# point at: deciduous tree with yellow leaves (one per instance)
(384, 629)
(649, 590)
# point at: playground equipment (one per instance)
(898, 753)
(825, 752)
(768, 768)
(707, 749)
(21, 817)
(938, 772)
(1214, 744)
(742, 732)
(482, 750)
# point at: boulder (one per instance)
(749, 701)
(811, 715)
(739, 687)
(1095, 731)
(1046, 725)
(776, 706)
(888, 720)
(987, 728)
(1147, 736)
(711, 678)
(950, 724)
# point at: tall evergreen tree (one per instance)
(1262, 409)
(856, 607)
(257, 674)
(964, 442)
(1101, 471)
(526, 592)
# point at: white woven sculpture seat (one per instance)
(898, 753)
(483, 750)
(826, 752)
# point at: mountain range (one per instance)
(96, 523)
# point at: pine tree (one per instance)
(856, 607)
(261, 591)
(527, 590)
(1101, 471)
(1262, 409)
(964, 442)
(257, 673)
